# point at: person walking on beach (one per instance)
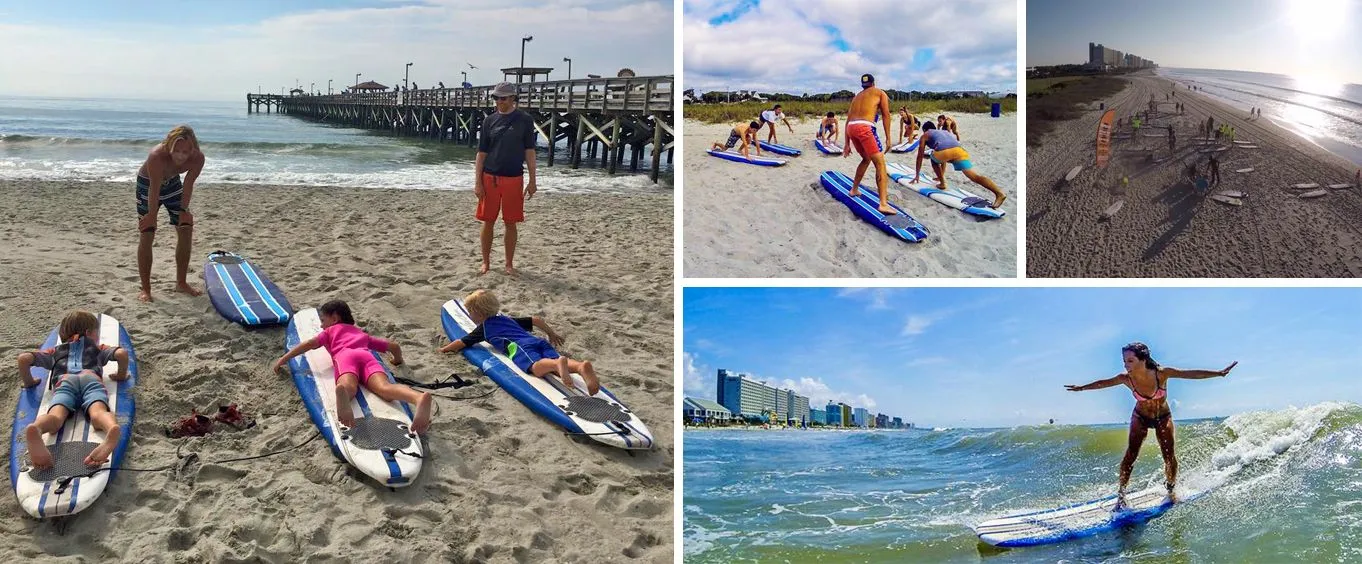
(159, 185)
(505, 150)
(1151, 408)
(1215, 170)
(1172, 139)
(771, 116)
(869, 105)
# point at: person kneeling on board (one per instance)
(511, 336)
(745, 133)
(349, 347)
(77, 366)
(827, 129)
(946, 149)
(869, 105)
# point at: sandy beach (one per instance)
(500, 484)
(742, 220)
(1163, 229)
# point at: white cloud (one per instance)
(789, 47)
(697, 379)
(917, 325)
(220, 62)
(819, 393)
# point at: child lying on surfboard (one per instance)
(511, 335)
(349, 347)
(77, 366)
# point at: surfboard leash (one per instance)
(183, 460)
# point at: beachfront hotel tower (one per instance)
(749, 398)
(1102, 56)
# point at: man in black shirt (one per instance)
(505, 148)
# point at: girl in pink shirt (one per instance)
(350, 348)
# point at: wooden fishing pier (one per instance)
(599, 118)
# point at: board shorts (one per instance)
(360, 362)
(956, 156)
(525, 353)
(504, 195)
(79, 391)
(825, 129)
(864, 138)
(171, 191)
(733, 139)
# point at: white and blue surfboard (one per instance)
(381, 444)
(906, 146)
(827, 147)
(602, 417)
(754, 159)
(1079, 520)
(866, 207)
(953, 197)
(42, 493)
(779, 149)
(243, 294)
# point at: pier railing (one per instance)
(634, 94)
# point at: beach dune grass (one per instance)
(744, 111)
(1051, 100)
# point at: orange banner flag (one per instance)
(1104, 138)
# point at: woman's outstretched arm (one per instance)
(1107, 383)
(1197, 374)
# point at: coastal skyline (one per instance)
(1294, 347)
(158, 50)
(824, 47)
(1272, 36)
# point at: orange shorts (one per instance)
(504, 194)
(863, 137)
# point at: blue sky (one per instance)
(990, 357)
(825, 45)
(1317, 39)
(221, 50)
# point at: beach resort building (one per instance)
(700, 410)
(860, 417)
(745, 397)
(897, 423)
(818, 416)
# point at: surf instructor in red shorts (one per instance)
(505, 149)
(866, 109)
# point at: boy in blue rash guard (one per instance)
(512, 336)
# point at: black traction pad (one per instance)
(376, 433)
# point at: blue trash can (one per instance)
(997, 109)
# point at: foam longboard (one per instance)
(1078, 520)
(1073, 173)
(242, 293)
(827, 147)
(754, 159)
(954, 197)
(381, 444)
(866, 206)
(601, 417)
(779, 149)
(40, 492)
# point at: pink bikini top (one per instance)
(1160, 393)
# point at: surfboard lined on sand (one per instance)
(1078, 520)
(866, 206)
(953, 197)
(737, 158)
(827, 147)
(602, 417)
(41, 492)
(779, 149)
(243, 294)
(381, 444)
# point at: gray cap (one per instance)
(503, 89)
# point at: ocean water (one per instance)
(107, 140)
(1285, 486)
(1328, 114)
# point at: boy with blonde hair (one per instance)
(77, 366)
(511, 335)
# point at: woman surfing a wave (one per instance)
(1148, 382)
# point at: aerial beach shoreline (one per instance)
(1163, 230)
(500, 482)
